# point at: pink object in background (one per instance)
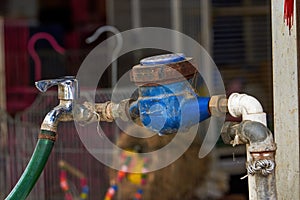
(19, 91)
(35, 56)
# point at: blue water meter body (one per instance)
(168, 104)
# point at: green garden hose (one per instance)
(35, 166)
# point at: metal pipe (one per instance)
(176, 22)
(135, 6)
(260, 155)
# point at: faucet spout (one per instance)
(62, 112)
(67, 92)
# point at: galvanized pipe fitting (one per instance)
(257, 135)
(108, 111)
(260, 155)
(218, 105)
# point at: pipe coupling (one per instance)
(218, 105)
(89, 112)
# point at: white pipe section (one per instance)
(246, 106)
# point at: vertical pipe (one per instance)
(286, 103)
(110, 15)
(110, 12)
(115, 52)
(252, 187)
(176, 6)
(265, 186)
(261, 186)
(136, 13)
(176, 22)
(206, 26)
(250, 109)
(207, 70)
(136, 22)
(260, 156)
(206, 40)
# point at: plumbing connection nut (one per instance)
(109, 111)
(218, 105)
(120, 110)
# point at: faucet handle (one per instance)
(67, 87)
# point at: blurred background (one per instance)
(236, 33)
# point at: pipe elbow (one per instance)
(257, 135)
(255, 132)
(246, 106)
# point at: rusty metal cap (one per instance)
(162, 69)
